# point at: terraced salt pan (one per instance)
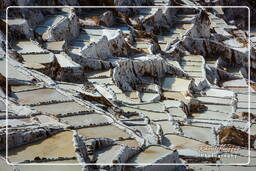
(47, 120)
(75, 51)
(15, 21)
(145, 131)
(28, 47)
(86, 120)
(235, 83)
(129, 143)
(238, 89)
(39, 96)
(165, 39)
(151, 115)
(23, 87)
(93, 31)
(175, 84)
(166, 126)
(58, 145)
(108, 154)
(175, 111)
(13, 72)
(184, 145)
(220, 93)
(43, 58)
(206, 123)
(148, 97)
(212, 115)
(15, 122)
(88, 38)
(62, 108)
(36, 66)
(77, 87)
(171, 103)
(245, 105)
(106, 131)
(238, 110)
(192, 68)
(55, 46)
(243, 97)
(175, 95)
(150, 106)
(220, 108)
(199, 133)
(193, 58)
(150, 155)
(124, 98)
(215, 100)
(66, 62)
(191, 63)
(149, 88)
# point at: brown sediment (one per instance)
(244, 116)
(231, 135)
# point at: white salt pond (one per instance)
(175, 84)
(61, 108)
(106, 131)
(199, 133)
(28, 47)
(86, 120)
(58, 145)
(43, 58)
(152, 115)
(40, 95)
(150, 155)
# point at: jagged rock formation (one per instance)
(231, 135)
(149, 66)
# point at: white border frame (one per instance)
(132, 164)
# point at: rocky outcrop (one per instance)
(218, 76)
(66, 29)
(112, 43)
(237, 16)
(158, 21)
(200, 39)
(107, 19)
(129, 73)
(231, 135)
